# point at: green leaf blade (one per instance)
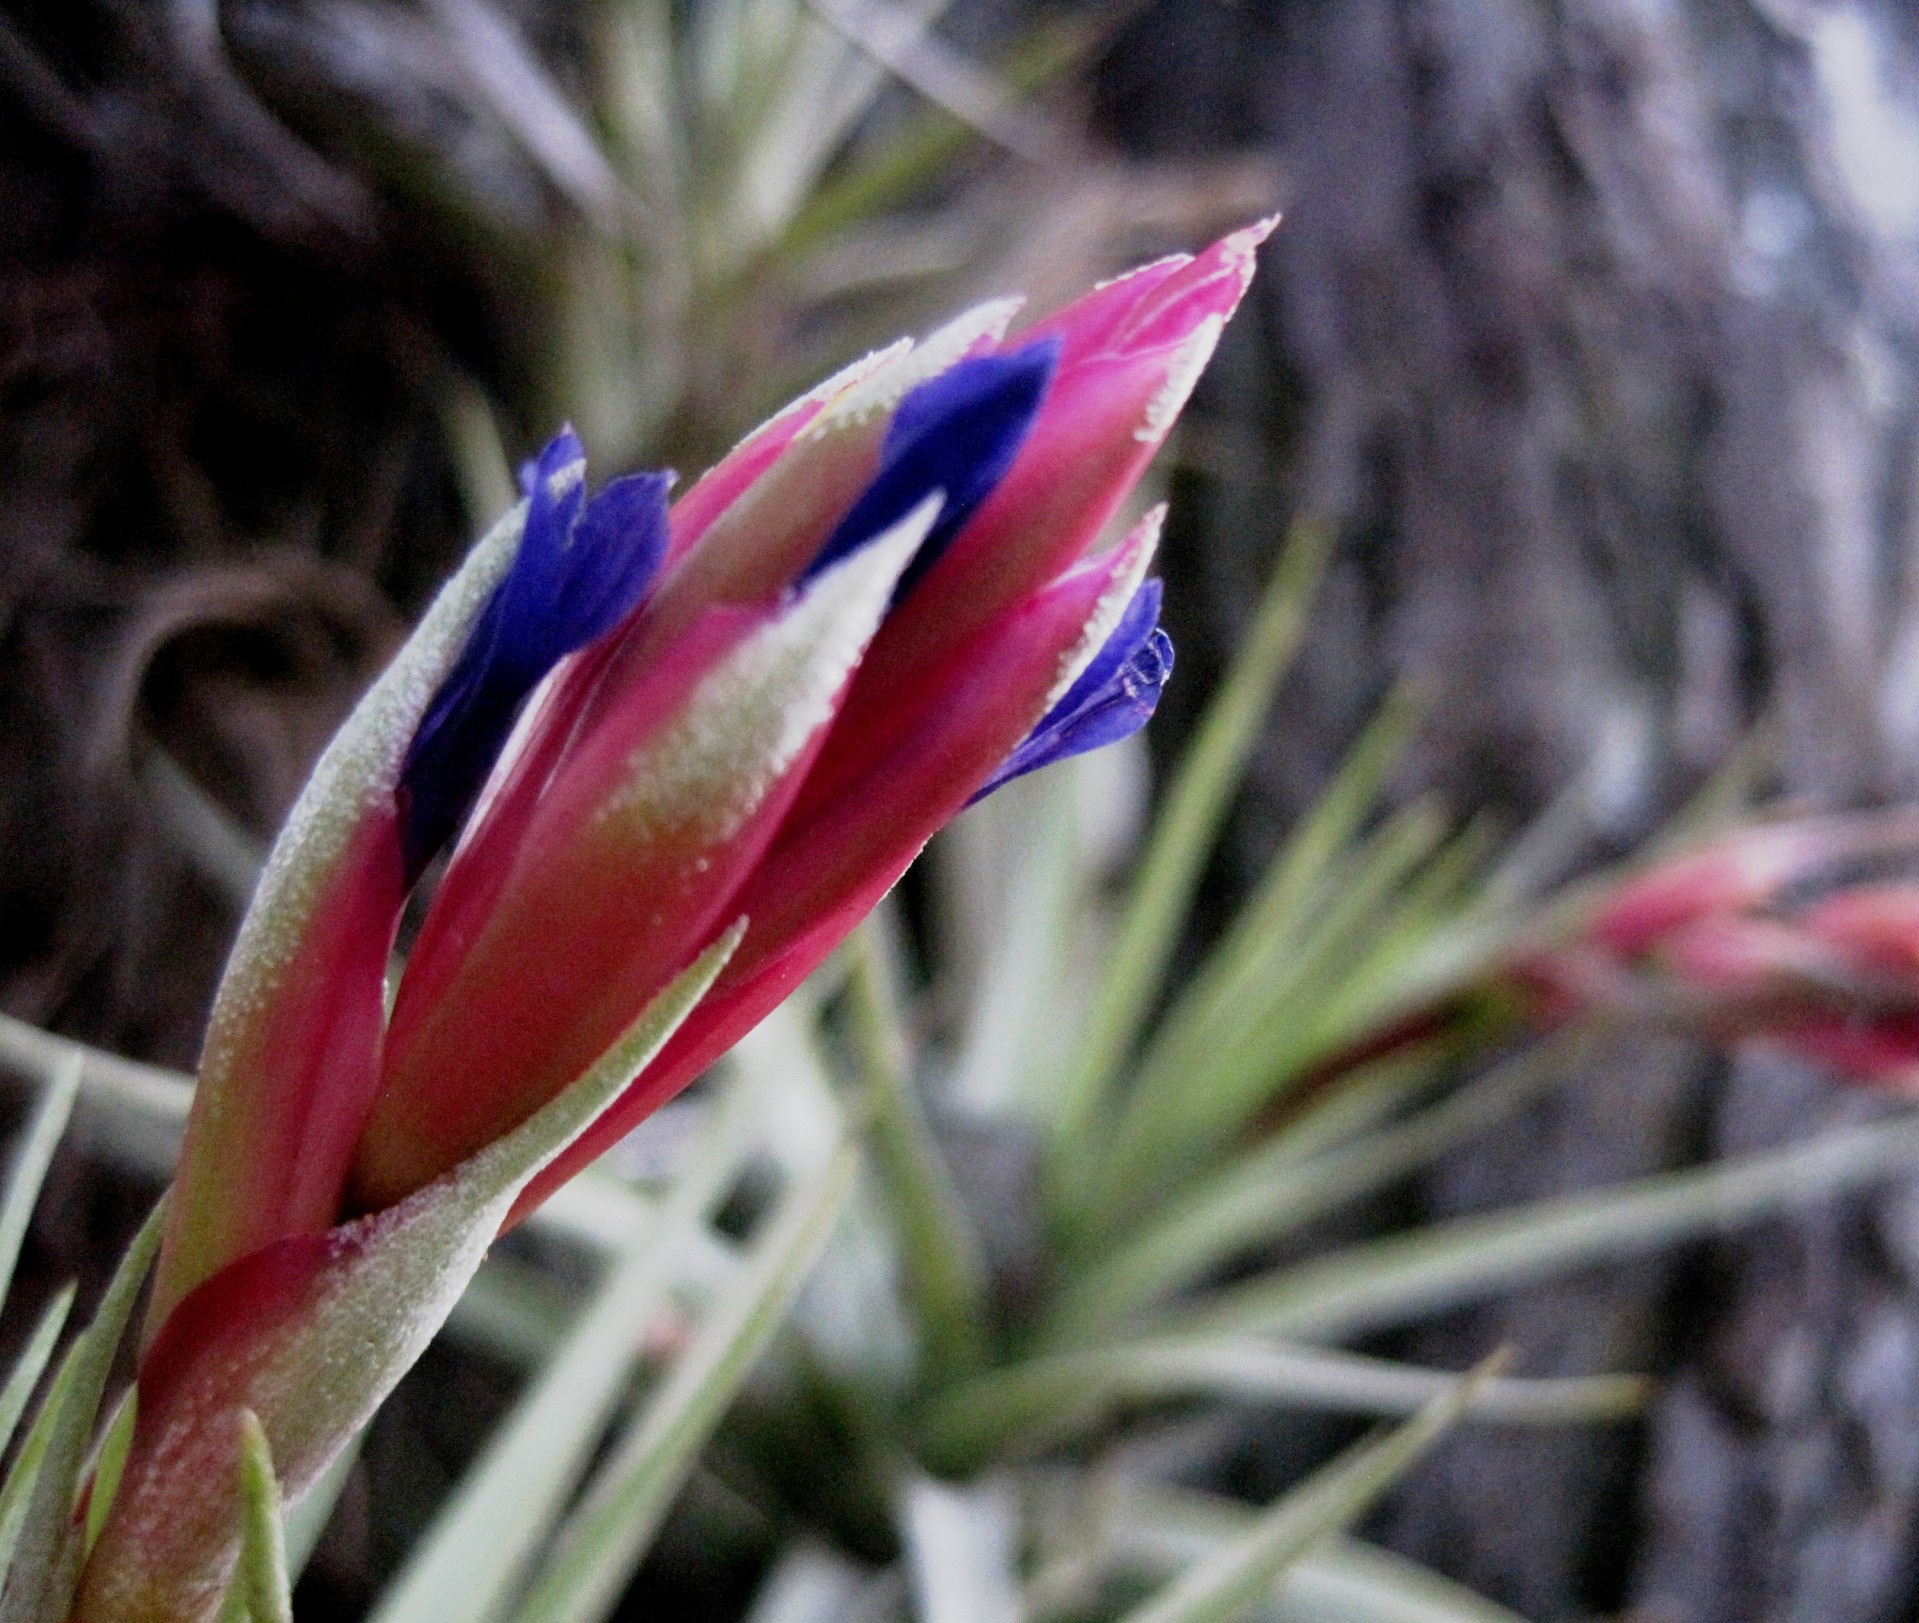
(604, 1539)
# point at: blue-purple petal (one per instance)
(1111, 699)
(580, 569)
(958, 434)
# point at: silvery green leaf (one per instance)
(1023, 1407)
(510, 1498)
(607, 1534)
(45, 1561)
(962, 1548)
(42, 1136)
(32, 1363)
(1182, 835)
(1154, 1532)
(1237, 1575)
(944, 1276)
(1268, 1191)
(109, 1461)
(1406, 1277)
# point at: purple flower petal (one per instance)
(580, 569)
(1111, 699)
(957, 433)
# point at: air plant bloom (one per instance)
(635, 730)
(1761, 936)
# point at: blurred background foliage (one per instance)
(1590, 338)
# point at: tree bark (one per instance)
(1593, 328)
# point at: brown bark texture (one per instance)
(1594, 328)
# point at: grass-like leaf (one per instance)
(1182, 837)
(262, 1592)
(962, 1549)
(945, 1279)
(32, 1363)
(45, 1561)
(1405, 1277)
(1240, 1573)
(1151, 1532)
(24, 1473)
(1231, 1047)
(808, 1583)
(1268, 1192)
(510, 1499)
(1028, 1406)
(30, 1163)
(110, 1461)
(1018, 868)
(1345, 1581)
(603, 1540)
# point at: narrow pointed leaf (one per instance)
(1267, 1193)
(962, 1548)
(1025, 1407)
(1184, 834)
(607, 1535)
(808, 1583)
(32, 1363)
(508, 1501)
(24, 1474)
(49, 1121)
(1406, 1277)
(47, 1557)
(945, 1276)
(1239, 1574)
(262, 1579)
(1345, 1581)
(110, 1462)
(1226, 1054)
(1152, 1531)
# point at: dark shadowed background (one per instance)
(1593, 327)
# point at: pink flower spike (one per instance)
(663, 808)
(1876, 927)
(1091, 324)
(1733, 874)
(310, 1063)
(291, 1054)
(1113, 400)
(1883, 1053)
(836, 857)
(729, 478)
(1729, 960)
(1160, 305)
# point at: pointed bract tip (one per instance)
(1125, 569)
(1239, 251)
(1249, 237)
(878, 391)
(560, 465)
(1182, 376)
(1228, 265)
(1134, 554)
